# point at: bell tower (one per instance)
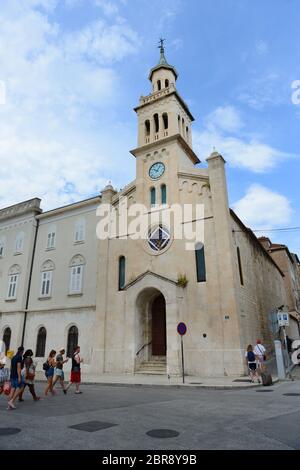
(164, 136)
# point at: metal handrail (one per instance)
(144, 345)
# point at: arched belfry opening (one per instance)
(150, 329)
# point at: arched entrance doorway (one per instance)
(158, 326)
(151, 332)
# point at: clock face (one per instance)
(156, 170)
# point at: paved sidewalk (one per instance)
(162, 380)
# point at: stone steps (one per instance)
(153, 368)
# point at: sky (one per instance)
(71, 72)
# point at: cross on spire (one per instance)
(161, 45)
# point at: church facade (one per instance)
(121, 296)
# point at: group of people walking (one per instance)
(255, 360)
(22, 371)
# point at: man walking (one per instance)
(17, 382)
(260, 353)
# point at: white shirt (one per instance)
(259, 350)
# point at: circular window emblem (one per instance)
(159, 237)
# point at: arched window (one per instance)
(76, 274)
(7, 338)
(41, 342)
(183, 127)
(13, 279)
(122, 266)
(200, 263)
(166, 83)
(72, 340)
(187, 133)
(179, 127)
(165, 120)
(163, 194)
(158, 85)
(46, 278)
(156, 122)
(152, 196)
(147, 128)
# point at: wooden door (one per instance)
(159, 343)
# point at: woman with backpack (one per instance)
(251, 364)
(48, 367)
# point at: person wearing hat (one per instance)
(58, 371)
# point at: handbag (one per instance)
(7, 387)
(30, 374)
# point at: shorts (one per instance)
(252, 365)
(261, 359)
(75, 377)
(49, 372)
(59, 373)
(15, 383)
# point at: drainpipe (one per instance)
(29, 281)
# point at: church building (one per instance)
(121, 297)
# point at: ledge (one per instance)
(10, 300)
(45, 298)
(76, 295)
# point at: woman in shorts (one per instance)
(251, 363)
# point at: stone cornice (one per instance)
(26, 207)
(70, 207)
(161, 142)
(141, 276)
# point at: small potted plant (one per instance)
(182, 280)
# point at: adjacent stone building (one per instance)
(290, 265)
(121, 296)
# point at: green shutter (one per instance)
(163, 194)
(200, 265)
(152, 196)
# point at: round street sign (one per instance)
(181, 328)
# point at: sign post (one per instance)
(181, 330)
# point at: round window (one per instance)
(158, 238)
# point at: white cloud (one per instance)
(55, 134)
(222, 130)
(262, 208)
(225, 118)
(261, 47)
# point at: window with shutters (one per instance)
(76, 280)
(152, 196)
(46, 284)
(163, 194)
(79, 236)
(200, 263)
(12, 286)
(41, 342)
(51, 238)
(19, 243)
